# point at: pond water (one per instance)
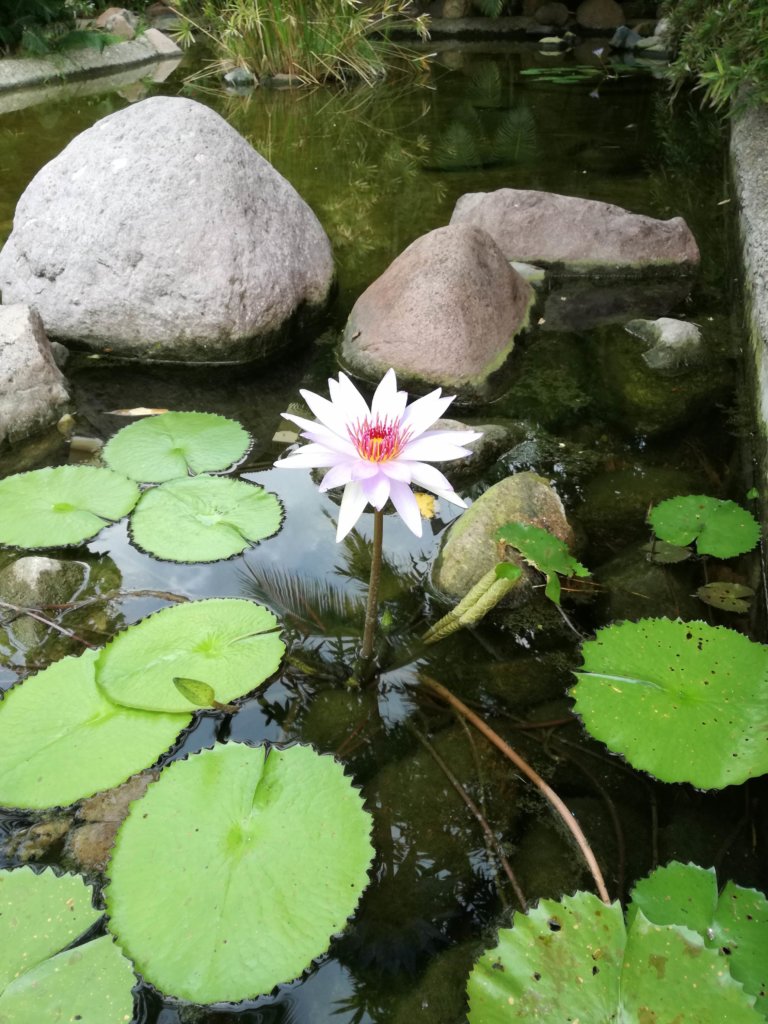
(381, 167)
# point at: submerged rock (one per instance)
(674, 343)
(599, 14)
(445, 312)
(33, 391)
(36, 582)
(578, 235)
(161, 234)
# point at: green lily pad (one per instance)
(231, 644)
(204, 519)
(545, 552)
(51, 508)
(39, 914)
(735, 921)
(176, 444)
(666, 554)
(728, 597)
(720, 528)
(275, 855)
(684, 701)
(574, 960)
(64, 740)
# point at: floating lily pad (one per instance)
(684, 701)
(63, 739)
(275, 855)
(575, 960)
(720, 528)
(204, 519)
(545, 552)
(231, 644)
(666, 554)
(728, 597)
(51, 508)
(176, 444)
(40, 914)
(735, 921)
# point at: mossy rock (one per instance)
(633, 587)
(440, 996)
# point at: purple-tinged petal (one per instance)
(337, 476)
(363, 470)
(376, 490)
(346, 396)
(353, 504)
(398, 470)
(388, 403)
(433, 449)
(424, 411)
(311, 456)
(329, 415)
(320, 434)
(406, 506)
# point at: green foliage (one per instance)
(577, 959)
(176, 444)
(684, 701)
(40, 914)
(62, 505)
(544, 552)
(720, 528)
(318, 42)
(275, 854)
(724, 46)
(728, 597)
(481, 599)
(63, 739)
(204, 519)
(231, 644)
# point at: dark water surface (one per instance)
(380, 167)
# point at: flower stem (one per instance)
(372, 607)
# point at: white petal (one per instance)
(406, 506)
(437, 448)
(457, 437)
(322, 435)
(347, 397)
(353, 503)
(311, 456)
(362, 469)
(396, 469)
(388, 403)
(431, 478)
(376, 490)
(424, 411)
(337, 476)
(328, 414)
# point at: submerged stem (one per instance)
(568, 819)
(372, 606)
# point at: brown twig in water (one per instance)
(554, 800)
(33, 614)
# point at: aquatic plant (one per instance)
(717, 527)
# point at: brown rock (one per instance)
(552, 14)
(578, 235)
(600, 14)
(445, 312)
(118, 22)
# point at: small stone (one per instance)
(600, 14)
(552, 14)
(625, 38)
(240, 78)
(674, 343)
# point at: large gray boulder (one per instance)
(578, 235)
(33, 392)
(445, 312)
(161, 234)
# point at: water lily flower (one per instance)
(376, 454)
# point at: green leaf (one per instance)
(176, 444)
(64, 740)
(684, 701)
(39, 914)
(720, 528)
(204, 519)
(666, 554)
(734, 922)
(728, 597)
(275, 854)
(231, 643)
(508, 571)
(544, 551)
(62, 505)
(573, 960)
(552, 589)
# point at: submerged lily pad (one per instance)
(728, 597)
(275, 855)
(204, 519)
(575, 960)
(50, 508)
(231, 644)
(176, 444)
(40, 914)
(735, 921)
(64, 740)
(684, 701)
(720, 528)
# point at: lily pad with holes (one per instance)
(176, 444)
(575, 960)
(720, 528)
(62, 505)
(39, 915)
(728, 597)
(684, 701)
(545, 552)
(64, 740)
(275, 855)
(204, 518)
(734, 921)
(231, 644)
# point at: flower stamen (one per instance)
(378, 440)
